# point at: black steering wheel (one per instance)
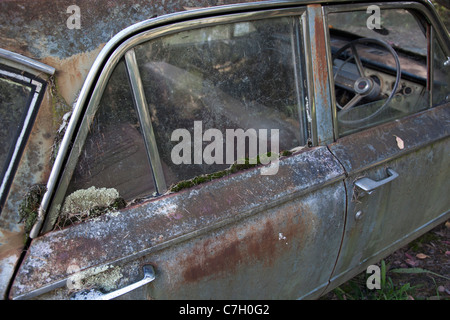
(362, 85)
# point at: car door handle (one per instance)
(149, 276)
(369, 185)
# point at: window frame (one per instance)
(76, 133)
(26, 72)
(419, 11)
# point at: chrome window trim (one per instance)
(56, 189)
(140, 102)
(21, 62)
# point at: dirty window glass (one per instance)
(113, 165)
(240, 76)
(368, 54)
(14, 101)
(441, 75)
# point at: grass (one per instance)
(357, 288)
(417, 271)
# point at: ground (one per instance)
(418, 271)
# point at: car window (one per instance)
(380, 67)
(207, 90)
(20, 95)
(14, 98)
(217, 80)
(113, 166)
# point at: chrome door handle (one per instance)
(369, 185)
(149, 276)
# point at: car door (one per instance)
(22, 88)
(147, 191)
(397, 161)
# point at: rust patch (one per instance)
(320, 52)
(248, 243)
(11, 243)
(71, 72)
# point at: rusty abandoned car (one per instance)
(129, 130)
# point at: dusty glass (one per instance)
(370, 90)
(114, 154)
(234, 76)
(14, 102)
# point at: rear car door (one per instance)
(393, 143)
(147, 191)
(23, 83)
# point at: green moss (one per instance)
(29, 207)
(247, 163)
(59, 104)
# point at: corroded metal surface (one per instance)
(321, 103)
(201, 231)
(417, 148)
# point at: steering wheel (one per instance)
(363, 86)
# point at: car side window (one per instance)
(14, 97)
(380, 70)
(20, 96)
(113, 166)
(202, 86)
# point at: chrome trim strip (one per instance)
(310, 103)
(145, 120)
(299, 74)
(430, 63)
(25, 61)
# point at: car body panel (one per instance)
(416, 148)
(229, 229)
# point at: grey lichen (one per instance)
(89, 203)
